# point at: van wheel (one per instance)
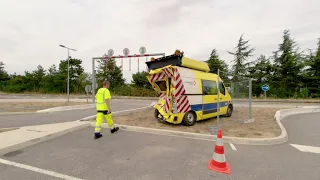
(229, 111)
(189, 118)
(156, 113)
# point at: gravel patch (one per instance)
(264, 125)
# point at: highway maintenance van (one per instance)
(187, 91)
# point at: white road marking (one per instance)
(310, 149)
(89, 117)
(38, 170)
(233, 147)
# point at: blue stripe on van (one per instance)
(206, 107)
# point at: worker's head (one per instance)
(106, 84)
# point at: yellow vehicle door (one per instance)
(209, 98)
(161, 82)
(224, 100)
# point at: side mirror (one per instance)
(228, 89)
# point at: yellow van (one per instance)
(187, 90)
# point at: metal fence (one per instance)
(240, 89)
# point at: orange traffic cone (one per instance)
(218, 162)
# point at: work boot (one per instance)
(97, 135)
(114, 129)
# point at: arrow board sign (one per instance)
(265, 87)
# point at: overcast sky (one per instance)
(31, 30)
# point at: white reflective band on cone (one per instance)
(219, 157)
(219, 142)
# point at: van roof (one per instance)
(178, 60)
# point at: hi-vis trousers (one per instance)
(100, 116)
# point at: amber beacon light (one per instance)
(177, 52)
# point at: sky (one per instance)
(31, 31)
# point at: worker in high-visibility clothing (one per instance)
(103, 107)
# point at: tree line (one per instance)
(290, 73)
(54, 79)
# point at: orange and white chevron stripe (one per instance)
(157, 77)
(183, 104)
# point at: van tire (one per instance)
(229, 111)
(156, 113)
(189, 118)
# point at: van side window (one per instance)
(222, 88)
(209, 87)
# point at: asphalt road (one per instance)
(133, 155)
(15, 173)
(303, 129)
(64, 116)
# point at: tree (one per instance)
(38, 76)
(53, 81)
(216, 63)
(52, 71)
(260, 73)
(2, 71)
(243, 51)
(4, 77)
(313, 72)
(16, 84)
(109, 70)
(75, 70)
(84, 79)
(3, 74)
(101, 72)
(140, 80)
(288, 65)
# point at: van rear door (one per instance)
(161, 82)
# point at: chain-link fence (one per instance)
(240, 89)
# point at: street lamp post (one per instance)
(68, 67)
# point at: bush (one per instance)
(140, 80)
(19, 88)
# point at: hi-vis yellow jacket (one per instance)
(101, 96)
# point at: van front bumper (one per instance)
(171, 118)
